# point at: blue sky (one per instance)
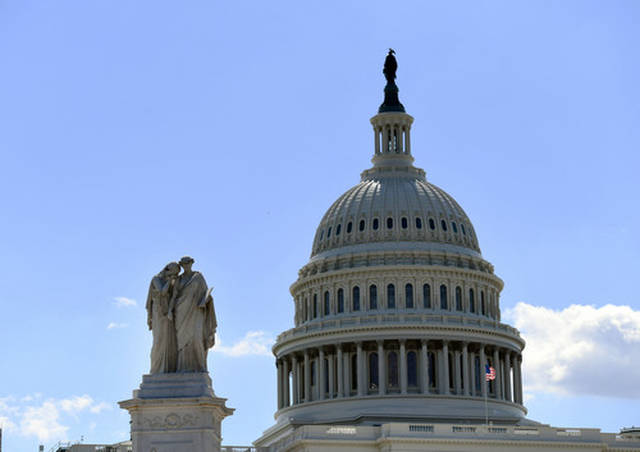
(132, 133)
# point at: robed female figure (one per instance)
(164, 350)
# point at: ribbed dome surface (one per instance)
(391, 207)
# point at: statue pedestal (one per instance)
(176, 413)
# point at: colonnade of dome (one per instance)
(398, 367)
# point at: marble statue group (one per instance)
(181, 316)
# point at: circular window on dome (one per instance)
(389, 223)
(404, 223)
(454, 226)
(361, 225)
(349, 227)
(443, 224)
(432, 224)
(419, 223)
(338, 229)
(376, 224)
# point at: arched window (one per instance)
(376, 224)
(340, 300)
(404, 223)
(418, 223)
(393, 369)
(329, 232)
(373, 371)
(443, 224)
(389, 223)
(472, 301)
(483, 308)
(432, 369)
(391, 296)
(462, 227)
(412, 369)
(458, 299)
(361, 225)
(443, 297)
(432, 224)
(338, 229)
(321, 234)
(315, 305)
(349, 227)
(408, 296)
(327, 303)
(454, 227)
(426, 296)
(354, 372)
(373, 297)
(356, 298)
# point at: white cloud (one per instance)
(76, 403)
(46, 419)
(98, 407)
(43, 422)
(114, 325)
(124, 302)
(253, 343)
(7, 424)
(580, 349)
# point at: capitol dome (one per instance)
(397, 313)
(395, 206)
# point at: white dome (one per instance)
(395, 204)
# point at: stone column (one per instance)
(320, 369)
(483, 371)
(496, 365)
(340, 371)
(360, 370)
(285, 374)
(403, 367)
(332, 381)
(424, 367)
(465, 369)
(347, 373)
(382, 380)
(280, 395)
(507, 376)
(519, 369)
(307, 377)
(456, 369)
(377, 135)
(444, 387)
(294, 377)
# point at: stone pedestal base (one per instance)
(176, 413)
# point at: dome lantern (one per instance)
(392, 125)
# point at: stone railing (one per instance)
(388, 318)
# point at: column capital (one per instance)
(424, 341)
(380, 341)
(402, 341)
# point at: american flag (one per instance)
(490, 373)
